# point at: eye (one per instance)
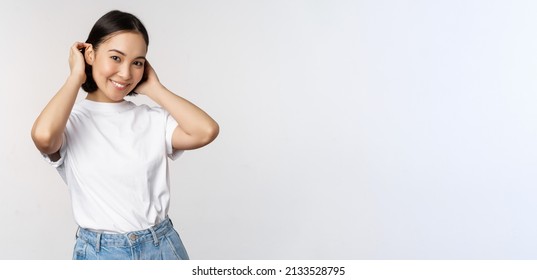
(139, 63)
(116, 58)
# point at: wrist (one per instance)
(76, 79)
(154, 92)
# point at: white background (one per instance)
(349, 129)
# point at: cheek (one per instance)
(103, 70)
(138, 74)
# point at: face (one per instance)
(118, 66)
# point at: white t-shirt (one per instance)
(114, 160)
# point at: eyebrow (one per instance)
(123, 54)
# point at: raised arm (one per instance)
(196, 128)
(48, 128)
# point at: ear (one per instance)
(89, 55)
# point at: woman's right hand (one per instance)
(77, 63)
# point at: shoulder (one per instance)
(144, 108)
(79, 110)
(153, 114)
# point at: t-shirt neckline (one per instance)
(106, 107)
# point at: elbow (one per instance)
(44, 141)
(212, 132)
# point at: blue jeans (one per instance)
(160, 242)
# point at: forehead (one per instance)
(130, 43)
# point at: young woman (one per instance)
(113, 154)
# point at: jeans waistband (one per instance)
(98, 238)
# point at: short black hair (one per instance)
(111, 23)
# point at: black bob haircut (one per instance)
(109, 24)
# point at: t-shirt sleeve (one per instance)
(59, 162)
(171, 124)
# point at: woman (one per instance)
(112, 153)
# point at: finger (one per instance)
(80, 45)
(148, 66)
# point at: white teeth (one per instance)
(119, 85)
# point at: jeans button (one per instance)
(132, 237)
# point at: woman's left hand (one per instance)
(149, 81)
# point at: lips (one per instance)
(118, 85)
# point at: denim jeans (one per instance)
(160, 242)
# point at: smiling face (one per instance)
(117, 66)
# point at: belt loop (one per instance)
(155, 238)
(98, 243)
(77, 232)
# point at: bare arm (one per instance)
(48, 128)
(196, 128)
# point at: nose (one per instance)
(125, 72)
